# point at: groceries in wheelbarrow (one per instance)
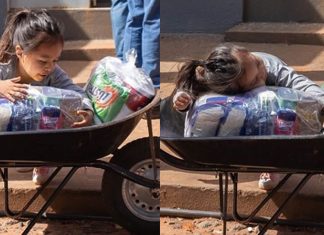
(44, 108)
(262, 111)
(118, 89)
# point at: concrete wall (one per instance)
(200, 16)
(284, 11)
(49, 3)
(84, 24)
(3, 14)
(80, 24)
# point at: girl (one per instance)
(231, 69)
(30, 47)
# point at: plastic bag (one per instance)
(118, 89)
(262, 111)
(44, 108)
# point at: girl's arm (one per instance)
(86, 118)
(60, 79)
(280, 74)
(12, 90)
(288, 77)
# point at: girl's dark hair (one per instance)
(220, 71)
(29, 29)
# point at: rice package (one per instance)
(118, 89)
(262, 111)
(44, 108)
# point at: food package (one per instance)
(44, 108)
(118, 89)
(262, 111)
(5, 114)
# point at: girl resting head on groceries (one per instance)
(231, 69)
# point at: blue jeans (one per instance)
(119, 13)
(142, 32)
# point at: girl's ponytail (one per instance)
(28, 29)
(187, 79)
(6, 42)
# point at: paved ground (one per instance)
(62, 227)
(212, 226)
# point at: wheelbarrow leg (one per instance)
(50, 200)
(237, 217)
(223, 194)
(151, 141)
(278, 212)
(7, 209)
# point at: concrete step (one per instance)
(194, 190)
(84, 23)
(311, 11)
(289, 33)
(77, 23)
(78, 196)
(88, 49)
(200, 191)
(79, 71)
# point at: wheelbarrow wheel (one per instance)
(133, 206)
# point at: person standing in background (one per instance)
(118, 14)
(136, 24)
(142, 32)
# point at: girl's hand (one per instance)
(181, 100)
(86, 118)
(12, 90)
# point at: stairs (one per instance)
(84, 23)
(85, 42)
(274, 32)
(297, 27)
(289, 21)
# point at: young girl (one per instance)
(231, 69)
(30, 47)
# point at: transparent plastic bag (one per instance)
(262, 111)
(44, 108)
(118, 89)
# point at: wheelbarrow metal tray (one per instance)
(300, 153)
(68, 145)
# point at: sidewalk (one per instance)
(199, 191)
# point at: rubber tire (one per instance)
(127, 157)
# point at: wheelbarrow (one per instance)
(229, 156)
(130, 184)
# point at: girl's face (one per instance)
(254, 74)
(39, 63)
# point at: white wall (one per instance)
(49, 3)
